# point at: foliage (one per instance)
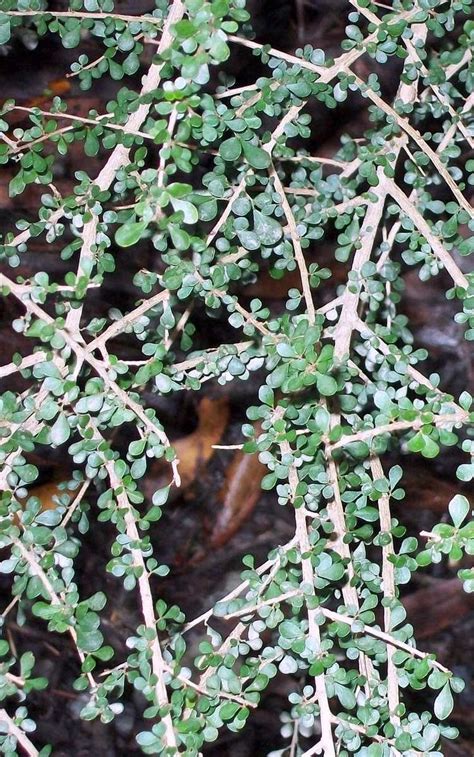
(340, 388)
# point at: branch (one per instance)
(423, 227)
(404, 124)
(21, 737)
(38, 571)
(350, 300)
(366, 332)
(295, 238)
(120, 157)
(146, 596)
(367, 434)
(86, 15)
(341, 618)
(327, 740)
(84, 356)
(389, 591)
(120, 325)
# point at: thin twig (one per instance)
(38, 571)
(120, 157)
(146, 597)
(327, 739)
(21, 737)
(295, 238)
(101, 369)
(389, 592)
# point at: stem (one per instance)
(18, 734)
(146, 599)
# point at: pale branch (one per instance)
(25, 235)
(367, 434)
(245, 612)
(162, 165)
(312, 159)
(408, 207)
(389, 591)
(235, 91)
(269, 564)
(222, 650)
(339, 617)
(36, 570)
(313, 627)
(441, 97)
(348, 319)
(86, 15)
(383, 636)
(350, 298)
(27, 362)
(76, 502)
(370, 228)
(209, 354)
(83, 355)
(187, 682)
(415, 135)
(268, 147)
(365, 331)
(22, 739)
(120, 157)
(10, 607)
(295, 238)
(146, 596)
(447, 139)
(120, 325)
(98, 121)
(325, 73)
(227, 211)
(336, 512)
(246, 315)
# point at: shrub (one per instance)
(218, 182)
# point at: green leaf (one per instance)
(130, 233)
(444, 703)
(345, 696)
(179, 237)
(5, 31)
(300, 89)
(458, 509)
(160, 496)
(72, 37)
(230, 149)
(285, 349)
(416, 443)
(290, 629)
(267, 228)
(163, 383)
(60, 430)
(257, 157)
(327, 385)
(131, 64)
(249, 240)
(91, 145)
(228, 710)
(147, 739)
(28, 473)
(266, 395)
(431, 448)
(465, 472)
(189, 211)
(219, 50)
(89, 640)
